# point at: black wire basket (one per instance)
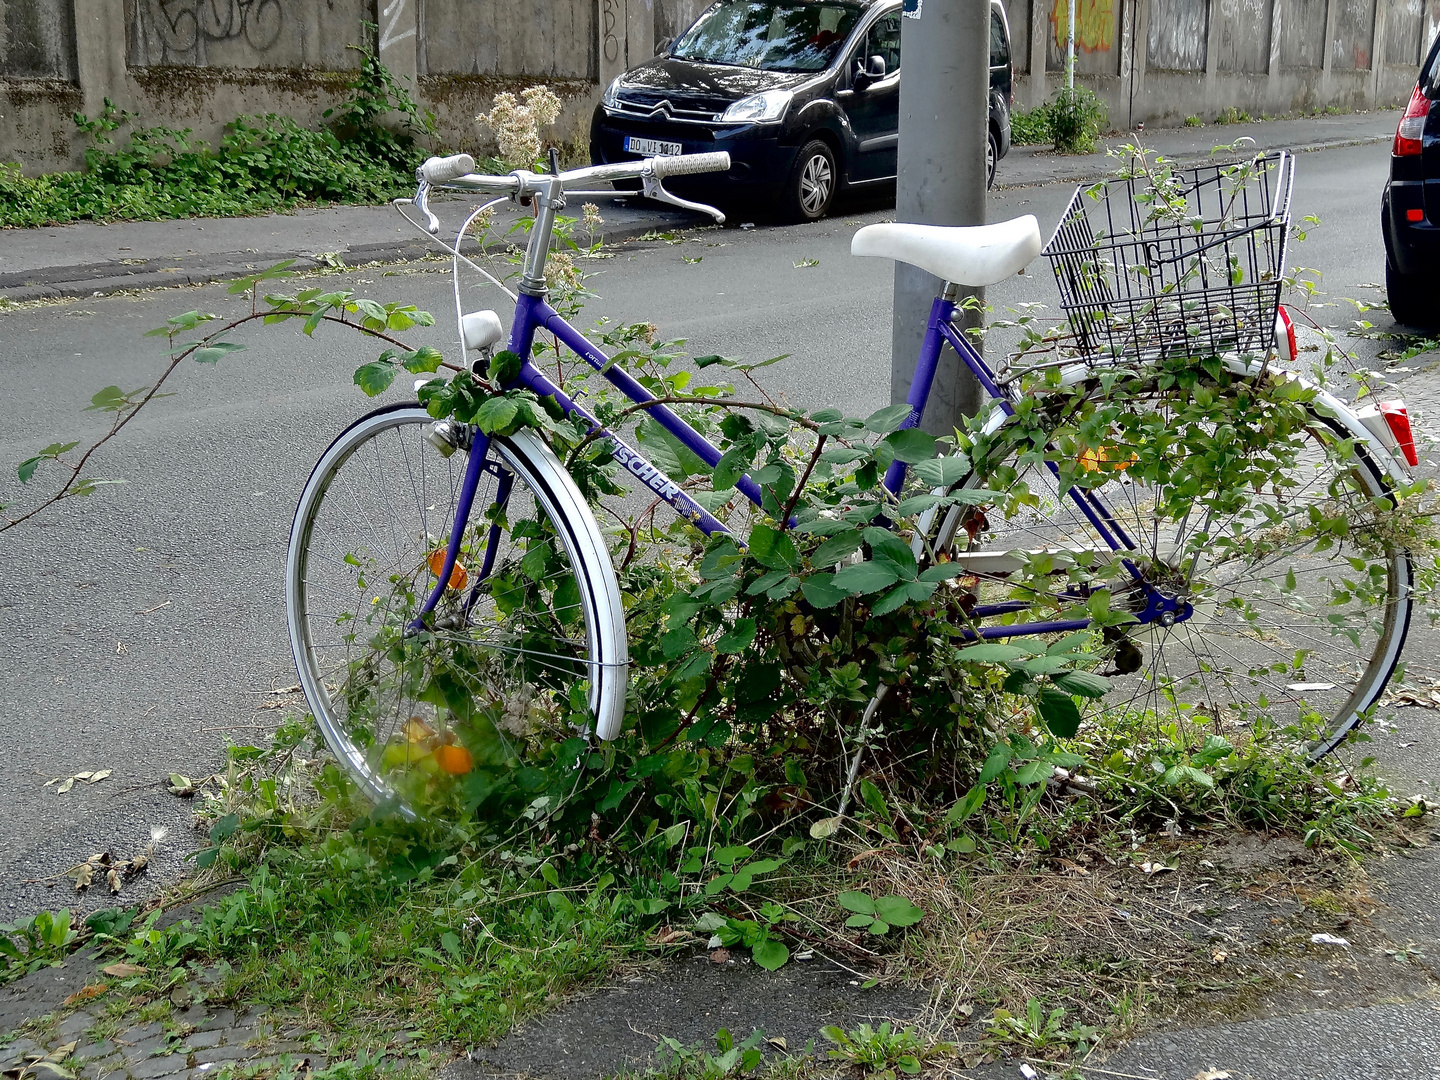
(1187, 263)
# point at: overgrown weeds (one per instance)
(262, 163)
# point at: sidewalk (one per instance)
(84, 259)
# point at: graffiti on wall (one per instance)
(1094, 24)
(182, 24)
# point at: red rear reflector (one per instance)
(1398, 420)
(1412, 126)
(1414, 215)
(1285, 343)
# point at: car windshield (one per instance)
(779, 35)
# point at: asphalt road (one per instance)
(144, 627)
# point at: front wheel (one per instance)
(992, 157)
(812, 183)
(433, 715)
(1258, 550)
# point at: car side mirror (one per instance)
(663, 46)
(867, 72)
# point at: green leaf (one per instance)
(504, 367)
(423, 360)
(836, 548)
(732, 466)
(773, 549)
(1217, 748)
(898, 911)
(495, 415)
(967, 805)
(942, 571)
(737, 638)
(822, 591)
(995, 764)
(770, 954)
(879, 928)
(375, 377)
(210, 354)
(943, 472)
(866, 577)
(860, 920)
(1034, 772)
(1059, 712)
(111, 399)
(990, 652)
(1083, 683)
(856, 901)
(873, 799)
(883, 421)
(27, 468)
(911, 445)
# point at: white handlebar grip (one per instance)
(691, 163)
(437, 170)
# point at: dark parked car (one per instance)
(804, 94)
(1410, 208)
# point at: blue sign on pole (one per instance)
(911, 9)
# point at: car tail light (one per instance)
(1414, 214)
(1412, 126)
(1389, 422)
(1285, 343)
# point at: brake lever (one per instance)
(654, 189)
(422, 197)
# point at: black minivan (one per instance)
(804, 94)
(1410, 207)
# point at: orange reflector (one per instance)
(1398, 421)
(1414, 215)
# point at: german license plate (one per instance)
(651, 146)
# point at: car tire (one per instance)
(992, 158)
(1409, 304)
(811, 188)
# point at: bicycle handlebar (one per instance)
(457, 171)
(437, 170)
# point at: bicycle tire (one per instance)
(527, 646)
(1315, 684)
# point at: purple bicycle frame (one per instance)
(533, 314)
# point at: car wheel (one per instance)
(1408, 304)
(992, 156)
(812, 183)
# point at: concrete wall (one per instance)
(1159, 61)
(199, 63)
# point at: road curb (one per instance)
(1095, 167)
(106, 278)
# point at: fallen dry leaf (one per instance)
(720, 956)
(85, 993)
(84, 876)
(778, 1043)
(123, 971)
(1212, 1074)
(112, 878)
(1219, 956)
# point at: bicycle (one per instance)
(446, 588)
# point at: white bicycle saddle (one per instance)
(967, 255)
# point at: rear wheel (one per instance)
(992, 157)
(812, 182)
(528, 638)
(1411, 303)
(1289, 605)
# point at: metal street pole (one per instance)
(1070, 49)
(944, 123)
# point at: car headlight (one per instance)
(611, 98)
(764, 108)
